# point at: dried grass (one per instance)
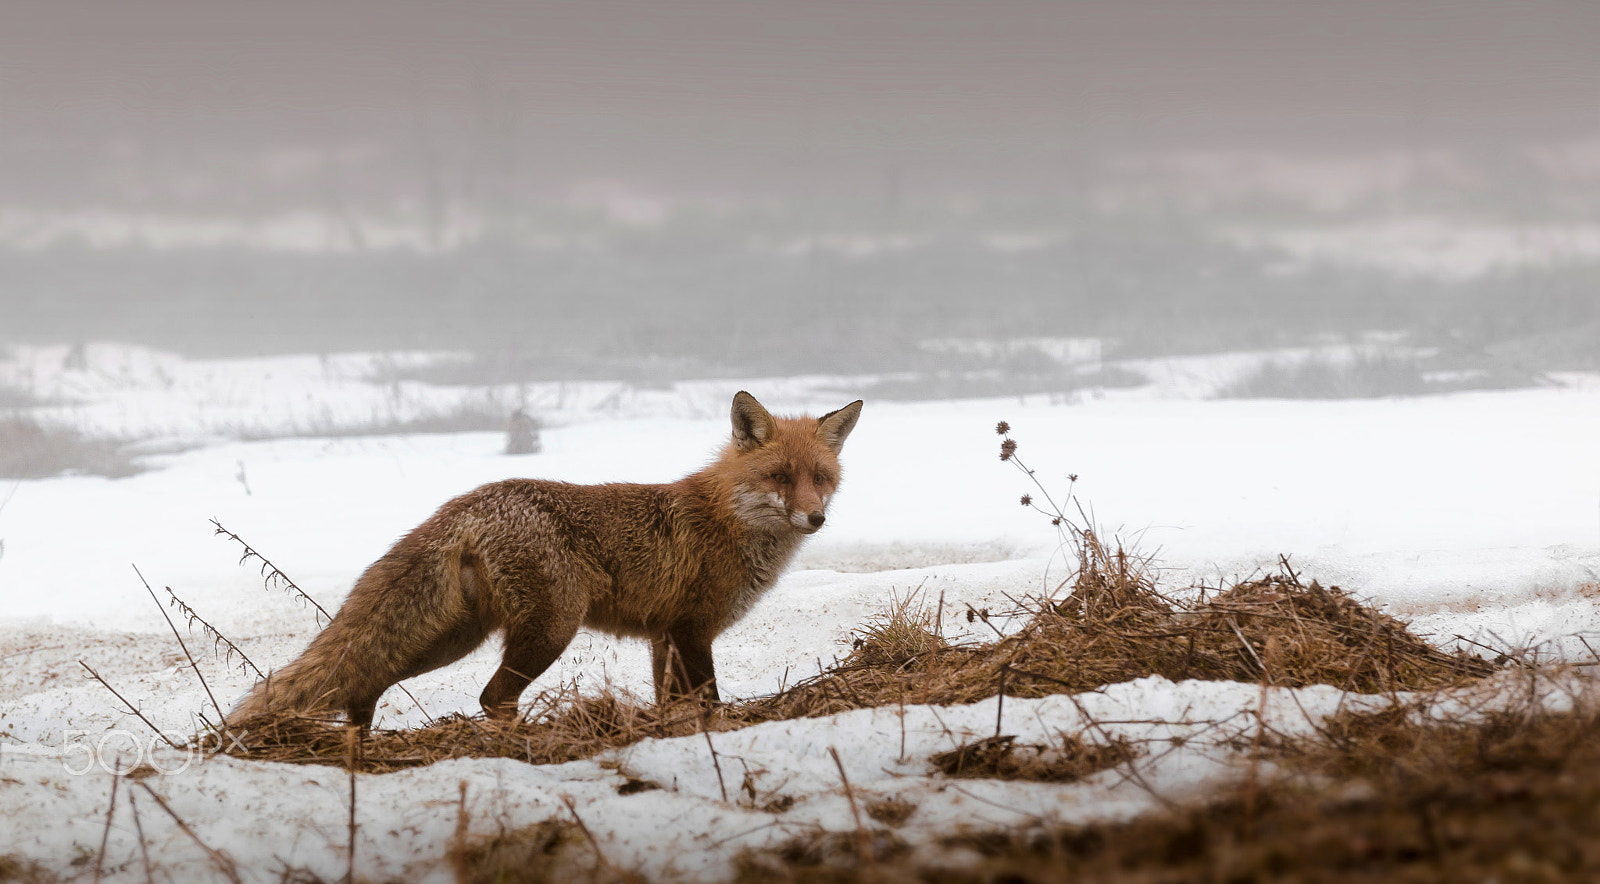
(533, 854)
(552, 850)
(25, 871)
(1000, 757)
(1113, 627)
(562, 726)
(903, 635)
(891, 810)
(824, 856)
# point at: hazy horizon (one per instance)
(628, 175)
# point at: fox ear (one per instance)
(752, 425)
(834, 426)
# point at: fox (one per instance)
(534, 560)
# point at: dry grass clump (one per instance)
(902, 636)
(1115, 626)
(1300, 634)
(1001, 758)
(891, 810)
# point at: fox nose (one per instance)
(816, 519)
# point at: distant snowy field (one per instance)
(1471, 514)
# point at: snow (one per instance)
(1471, 514)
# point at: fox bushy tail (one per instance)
(413, 610)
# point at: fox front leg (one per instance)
(681, 663)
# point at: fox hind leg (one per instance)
(532, 644)
(445, 649)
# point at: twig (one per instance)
(1265, 674)
(216, 636)
(1586, 644)
(222, 716)
(426, 718)
(767, 825)
(705, 730)
(1283, 561)
(1030, 816)
(149, 874)
(269, 571)
(352, 740)
(224, 863)
(33, 650)
(1000, 697)
(938, 628)
(131, 708)
(583, 827)
(1043, 677)
(1253, 780)
(863, 842)
(105, 836)
(902, 756)
(1133, 768)
(975, 614)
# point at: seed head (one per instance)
(1027, 500)
(1008, 448)
(1002, 428)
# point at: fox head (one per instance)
(784, 470)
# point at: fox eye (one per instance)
(819, 479)
(780, 477)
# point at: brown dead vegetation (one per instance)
(25, 871)
(1002, 758)
(536, 854)
(1112, 627)
(891, 810)
(1393, 795)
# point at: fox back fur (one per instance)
(675, 563)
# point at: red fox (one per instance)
(676, 563)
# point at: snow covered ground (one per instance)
(1472, 514)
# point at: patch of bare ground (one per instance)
(1392, 795)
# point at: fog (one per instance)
(693, 189)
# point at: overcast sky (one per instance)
(750, 94)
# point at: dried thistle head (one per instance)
(1008, 448)
(1002, 428)
(1027, 500)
